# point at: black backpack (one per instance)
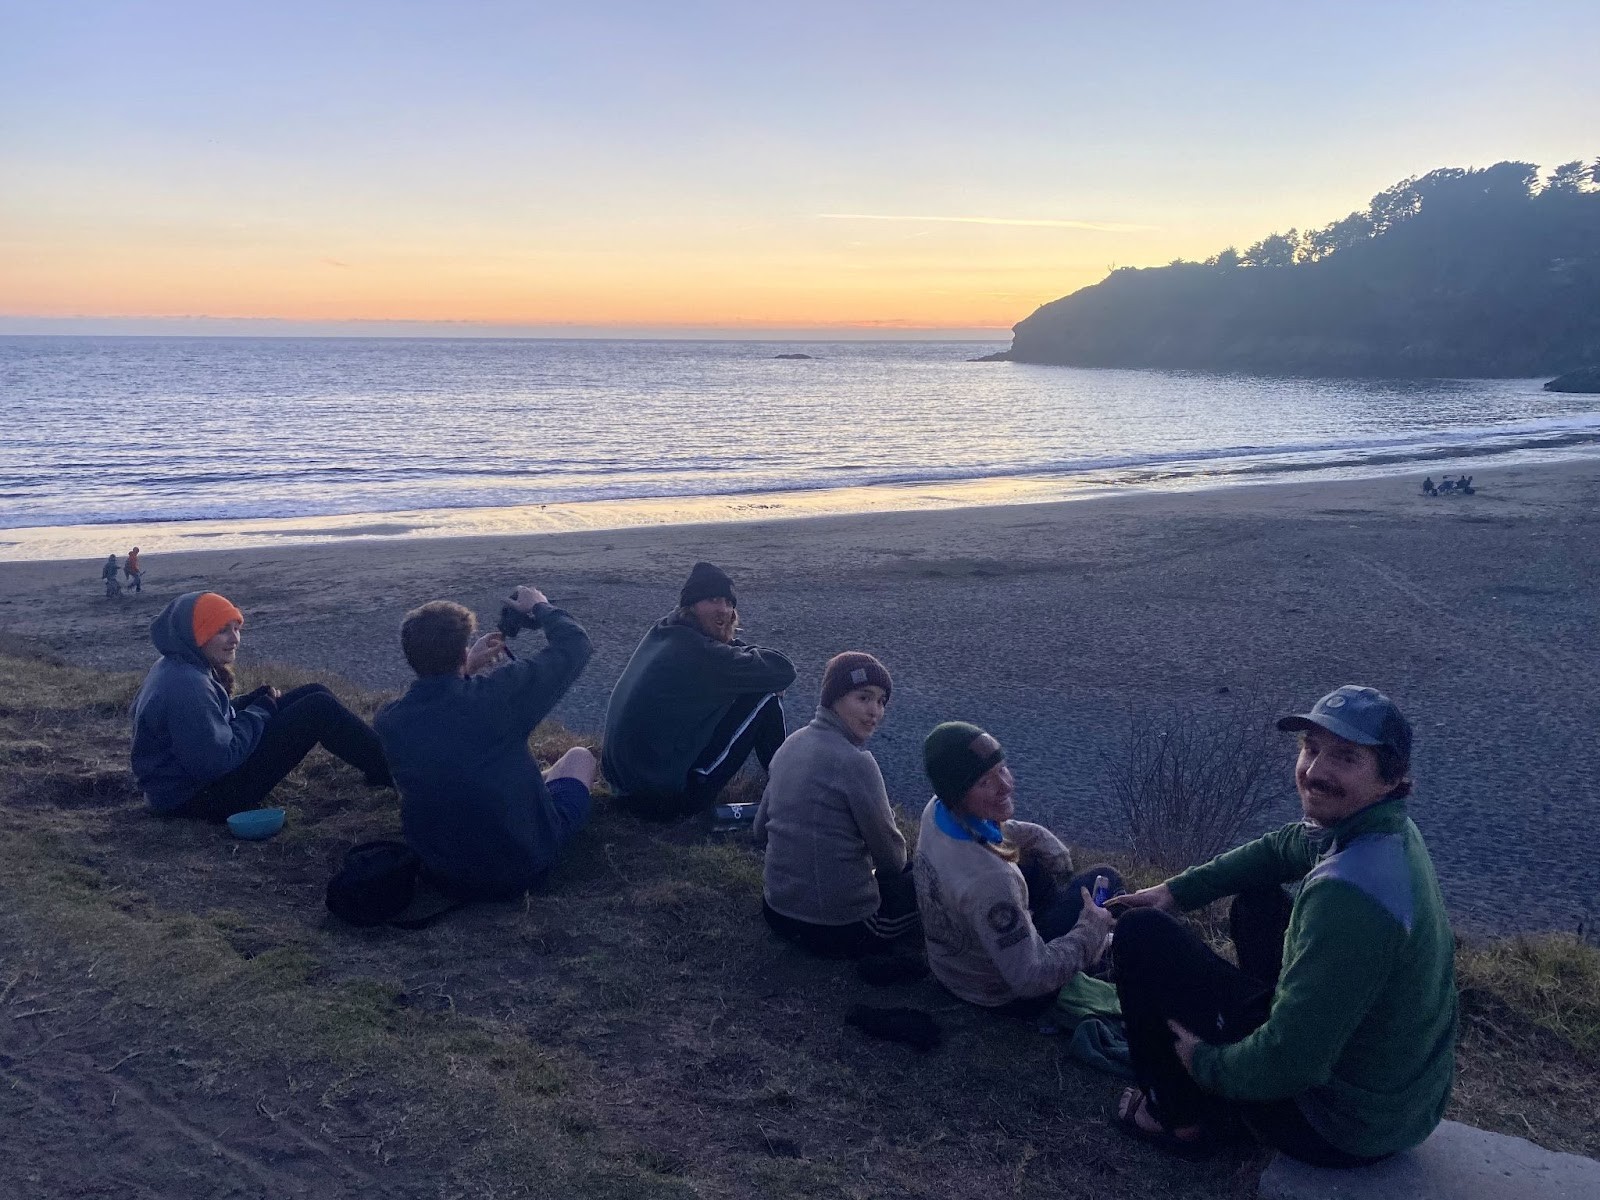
(377, 883)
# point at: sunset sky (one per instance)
(647, 167)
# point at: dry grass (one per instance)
(634, 1033)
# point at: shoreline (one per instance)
(90, 540)
(1049, 624)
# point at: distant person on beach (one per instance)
(1333, 1040)
(131, 568)
(1428, 489)
(108, 572)
(197, 752)
(692, 704)
(1007, 925)
(835, 878)
(486, 821)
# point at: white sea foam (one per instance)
(140, 430)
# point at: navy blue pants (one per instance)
(1165, 971)
(306, 717)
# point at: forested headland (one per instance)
(1461, 272)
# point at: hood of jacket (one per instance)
(173, 631)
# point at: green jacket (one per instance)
(1363, 1024)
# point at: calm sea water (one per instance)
(140, 429)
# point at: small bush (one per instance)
(1193, 783)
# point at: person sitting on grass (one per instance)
(1333, 1040)
(486, 822)
(826, 823)
(199, 753)
(1002, 932)
(692, 704)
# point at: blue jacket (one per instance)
(472, 798)
(186, 731)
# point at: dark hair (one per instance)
(435, 636)
(1392, 769)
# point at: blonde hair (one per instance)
(684, 615)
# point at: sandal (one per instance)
(1135, 1101)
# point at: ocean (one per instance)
(147, 431)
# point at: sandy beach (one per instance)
(1049, 624)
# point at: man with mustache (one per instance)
(692, 704)
(1333, 1040)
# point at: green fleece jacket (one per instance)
(1363, 1023)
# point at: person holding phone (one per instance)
(1007, 922)
(487, 821)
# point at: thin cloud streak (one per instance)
(1097, 226)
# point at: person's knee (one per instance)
(1259, 907)
(1144, 940)
(577, 763)
(320, 707)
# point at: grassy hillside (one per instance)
(180, 1002)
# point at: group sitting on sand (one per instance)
(1331, 1038)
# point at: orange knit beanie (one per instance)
(211, 613)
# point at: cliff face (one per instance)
(1476, 273)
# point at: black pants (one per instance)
(1166, 972)
(1055, 909)
(752, 722)
(878, 934)
(306, 717)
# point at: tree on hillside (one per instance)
(1462, 271)
(1572, 177)
(1274, 250)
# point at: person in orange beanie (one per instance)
(199, 752)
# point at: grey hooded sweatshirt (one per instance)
(186, 732)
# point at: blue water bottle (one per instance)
(1102, 890)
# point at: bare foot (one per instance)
(1133, 1110)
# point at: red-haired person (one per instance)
(199, 752)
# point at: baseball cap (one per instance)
(1358, 714)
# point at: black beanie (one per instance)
(706, 582)
(850, 670)
(955, 756)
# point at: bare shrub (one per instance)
(1195, 782)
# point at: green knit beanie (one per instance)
(955, 756)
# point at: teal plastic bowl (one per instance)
(256, 824)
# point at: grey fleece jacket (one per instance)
(674, 690)
(825, 821)
(186, 731)
(982, 943)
